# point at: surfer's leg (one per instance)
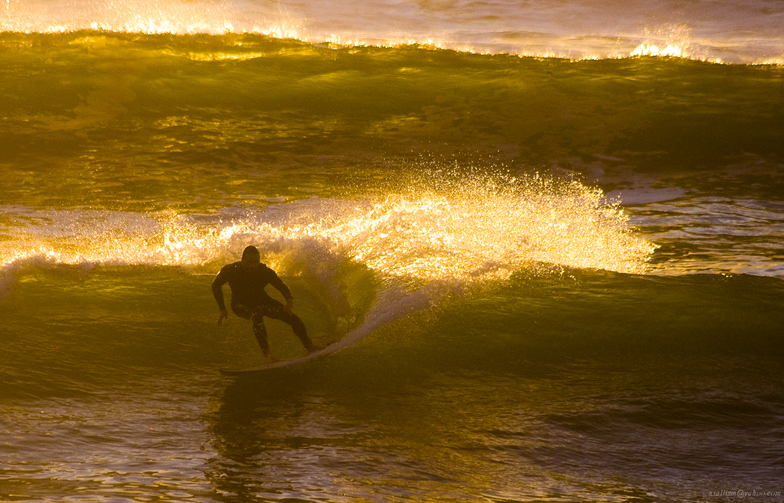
(256, 315)
(275, 311)
(300, 331)
(260, 331)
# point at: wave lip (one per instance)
(462, 229)
(475, 228)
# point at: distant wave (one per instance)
(546, 30)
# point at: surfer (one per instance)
(247, 280)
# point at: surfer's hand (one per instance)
(223, 315)
(289, 305)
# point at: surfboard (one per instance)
(350, 339)
(331, 348)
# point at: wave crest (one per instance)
(448, 228)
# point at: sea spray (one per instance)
(453, 229)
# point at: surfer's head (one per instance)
(251, 257)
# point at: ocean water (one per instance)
(549, 235)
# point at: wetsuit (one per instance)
(250, 301)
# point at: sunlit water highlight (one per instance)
(704, 31)
(470, 229)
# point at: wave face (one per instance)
(552, 278)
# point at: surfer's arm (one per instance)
(278, 283)
(217, 292)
